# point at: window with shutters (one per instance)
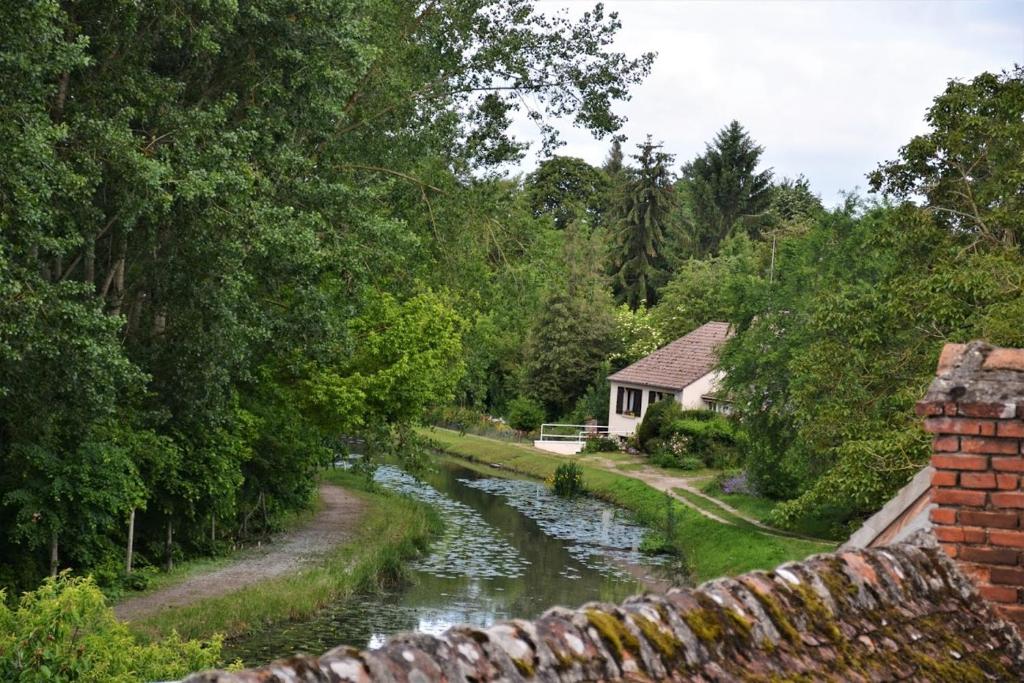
(629, 402)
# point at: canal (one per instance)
(510, 548)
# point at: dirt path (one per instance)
(332, 525)
(667, 483)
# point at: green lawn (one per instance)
(754, 506)
(713, 549)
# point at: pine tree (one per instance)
(614, 163)
(723, 190)
(640, 234)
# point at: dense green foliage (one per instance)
(231, 232)
(840, 314)
(525, 414)
(64, 631)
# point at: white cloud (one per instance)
(830, 89)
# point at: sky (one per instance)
(829, 89)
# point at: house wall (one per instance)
(624, 423)
(688, 398)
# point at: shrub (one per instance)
(706, 435)
(64, 631)
(679, 462)
(525, 414)
(601, 444)
(655, 420)
(568, 479)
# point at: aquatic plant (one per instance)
(568, 479)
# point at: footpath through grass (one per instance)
(393, 530)
(712, 549)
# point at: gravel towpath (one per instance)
(334, 523)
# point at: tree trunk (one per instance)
(54, 557)
(213, 528)
(131, 542)
(169, 548)
(90, 262)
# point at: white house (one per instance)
(683, 371)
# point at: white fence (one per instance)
(569, 439)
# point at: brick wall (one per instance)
(975, 410)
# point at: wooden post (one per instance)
(54, 557)
(169, 548)
(131, 542)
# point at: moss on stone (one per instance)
(778, 616)
(819, 613)
(613, 632)
(668, 645)
(525, 667)
(703, 624)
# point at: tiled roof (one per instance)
(900, 613)
(680, 363)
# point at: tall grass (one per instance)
(712, 549)
(393, 530)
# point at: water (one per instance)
(510, 549)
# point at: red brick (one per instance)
(949, 534)
(925, 409)
(956, 534)
(997, 410)
(998, 593)
(991, 520)
(978, 573)
(949, 549)
(978, 480)
(1007, 481)
(960, 462)
(948, 516)
(1006, 499)
(1008, 464)
(947, 443)
(989, 555)
(1014, 613)
(1004, 359)
(958, 497)
(950, 356)
(1013, 429)
(949, 408)
(975, 444)
(1010, 539)
(1008, 576)
(960, 425)
(944, 478)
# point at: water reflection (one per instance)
(510, 549)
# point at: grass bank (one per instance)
(713, 549)
(394, 529)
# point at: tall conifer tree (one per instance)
(640, 234)
(723, 189)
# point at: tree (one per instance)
(567, 189)
(702, 290)
(646, 204)
(968, 167)
(214, 217)
(723, 190)
(574, 332)
(792, 201)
